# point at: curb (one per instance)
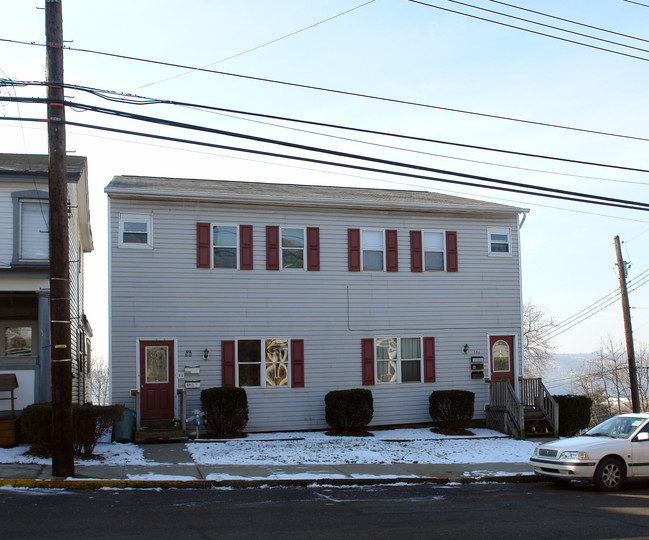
(95, 484)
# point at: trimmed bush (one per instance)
(453, 409)
(574, 414)
(226, 410)
(89, 422)
(349, 410)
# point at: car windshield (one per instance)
(618, 427)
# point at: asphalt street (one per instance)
(536, 510)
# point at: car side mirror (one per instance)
(644, 436)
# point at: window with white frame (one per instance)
(135, 230)
(398, 359)
(373, 249)
(225, 243)
(434, 255)
(499, 241)
(263, 362)
(292, 241)
(34, 244)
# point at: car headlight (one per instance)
(573, 455)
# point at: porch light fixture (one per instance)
(206, 353)
(466, 348)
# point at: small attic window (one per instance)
(135, 230)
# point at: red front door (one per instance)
(502, 357)
(156, 380)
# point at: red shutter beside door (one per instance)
(227, 363)
(391, 251)
(367, 347)
(297, 363)
(245, 247)
(429, 359)
(313, 248)
(203, 245)
(416, 264)
(451, 251)
(354, 250)
(272, 247)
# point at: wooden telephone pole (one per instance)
(62, 437)
(633, 372)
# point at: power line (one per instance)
(570, 21)
(263, 44)
(636, 3)
(334, 91)
(134, 100)
(530, 31)
(629, 205)
(560, 193)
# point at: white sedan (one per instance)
(608, 454)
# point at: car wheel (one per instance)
(609, 475)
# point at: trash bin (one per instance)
(125, 427)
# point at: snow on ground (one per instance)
(389, 446)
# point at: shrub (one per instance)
(89, 422)
(453, 409)
(574, 414)
(226, 410)
(349, 410)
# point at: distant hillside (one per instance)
(558, 378)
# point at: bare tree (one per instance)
(605, 379)
(537, 346)
(99, 379)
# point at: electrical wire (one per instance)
(636, 3)
(571, 195)
(530, 31)
(334, 91)
(108, 95)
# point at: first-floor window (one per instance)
(263, 362)
(398, 359)
(18, 341)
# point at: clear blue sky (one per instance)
(389, 48)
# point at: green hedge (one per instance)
(574, 414)
(453, 409)
(89, 422)
(226, 410)
(349, 410)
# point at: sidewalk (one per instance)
(171, 466)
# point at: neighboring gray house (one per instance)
(291, 291)
(24, 275)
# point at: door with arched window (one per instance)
(501, 352)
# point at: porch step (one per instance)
(156, 431)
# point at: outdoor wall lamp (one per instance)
(466, 348)
(206, 353)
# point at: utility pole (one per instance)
(60, 349)
(628, 331)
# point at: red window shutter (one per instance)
(313, 248)
(227, 363)
(272, 247)
(451, 251)
(203, 245)
(367, 346)
(245, 247)
(297, 363)
(354, 250)
(416, 264)
(391, 252)
(429, 359)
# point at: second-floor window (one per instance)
(34, 232)
(135, 230)
(292, 248)
(372, 245)
(499, 241)
(225, 242)
(433, 246)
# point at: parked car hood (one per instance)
(583, 443)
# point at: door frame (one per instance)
(174, 374)
(514, 353)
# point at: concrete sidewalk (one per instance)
(173, 467)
